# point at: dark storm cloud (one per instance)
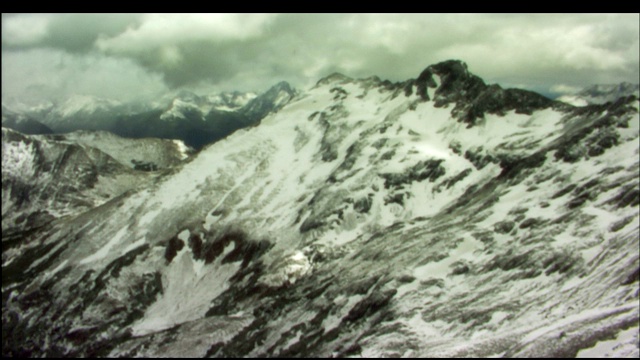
(70, 32)
(76, 33)
(254, 51)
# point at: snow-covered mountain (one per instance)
(84, 105)
(600, 94)
(23, 123)
(271, 101)
(230, 101)
(186, 104)
(194, 119)
(439, 216)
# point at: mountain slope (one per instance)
(142, 154)
(22, 123)
(44, 179)
(436, 217)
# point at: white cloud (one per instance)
(564, 89)
(24, 29)
(159, 30)
(44, 74)
(171, 56)
(253, 51)
(552, 49)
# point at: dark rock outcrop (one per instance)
(472, 98)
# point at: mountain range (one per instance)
(601, 93)
(196, 120)
(438, 216)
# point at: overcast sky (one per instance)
(50, 56)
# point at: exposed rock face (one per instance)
(471, 97)
(590, 141)
(434, 217)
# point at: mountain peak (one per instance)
(187, 95)
(452, 79)
(270, 101)
(334, 77)
(455, 68)
(453, 83)
(282, 85)
(80, 103)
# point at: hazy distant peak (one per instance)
(335, 77)
(271, 100)
(623, 88)
(86, 104)
(601, 93)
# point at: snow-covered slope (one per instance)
(600, 94)
(435, 217)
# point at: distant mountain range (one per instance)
(600, 94)
(196, 120)
(23, 123)
(199, 120)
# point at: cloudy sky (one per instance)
(127, 56)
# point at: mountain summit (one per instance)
(439, 216)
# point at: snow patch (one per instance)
(187, 292)
(288, 270)
(135, 245)
(104, 251)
